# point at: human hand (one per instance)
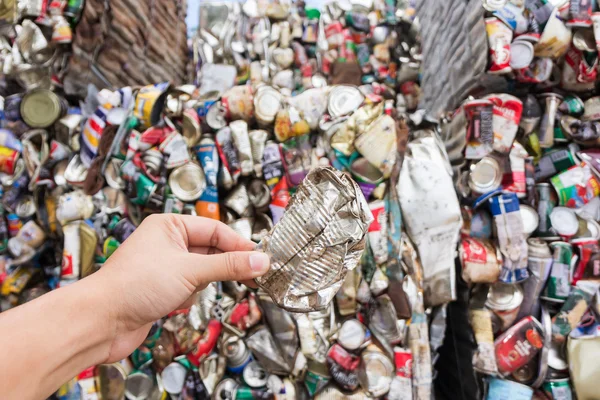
(162, 265)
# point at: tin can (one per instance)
(187, 182)
(226, 389)
(554, 162)
(504, 301)
(559, 281)
(531, 219)
(237, 354)
(518, 345)
(558, 389)
(8, 160)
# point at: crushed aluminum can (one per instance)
(343, 100)
(329, 195)
(518, 345)
(504, 301)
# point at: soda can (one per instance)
(558, 389)
(14, 224)
(480, 261)
(559, 282)
(150, 102)
(553, 162)
(187, 182)
(226, 389)
(576, 186)
(572, 311)
(237, 354)
(500, 389)
(173, 378)
(401, 387)
(343, 367)
(208, 156)
(110, 380)
(518, 345)
(544, 208)
(317, 377)
(587, 265)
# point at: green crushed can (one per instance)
(559, 285)
(558, 389)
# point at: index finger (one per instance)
(206, 232)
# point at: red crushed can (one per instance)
(207, 343)
(518, 345)
(8, 160)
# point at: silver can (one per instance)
(187, 182)
(485, 176)
(504, 301)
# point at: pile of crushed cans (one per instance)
(283, 89)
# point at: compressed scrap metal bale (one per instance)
(128, 44)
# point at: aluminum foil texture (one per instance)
(319, 239)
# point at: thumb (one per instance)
(231, 266)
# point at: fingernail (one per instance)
(259, 262)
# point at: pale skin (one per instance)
(104, 317)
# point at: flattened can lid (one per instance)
(255, 375)
(41, 108)
(352, 334)
(503, 297)
(530, 218)
(485, 176)
(187, 182)
(173, 378)
(521, 54)
(267, 103)
(564, 221)
(138, 386)
(344, 99)
(215, 116)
